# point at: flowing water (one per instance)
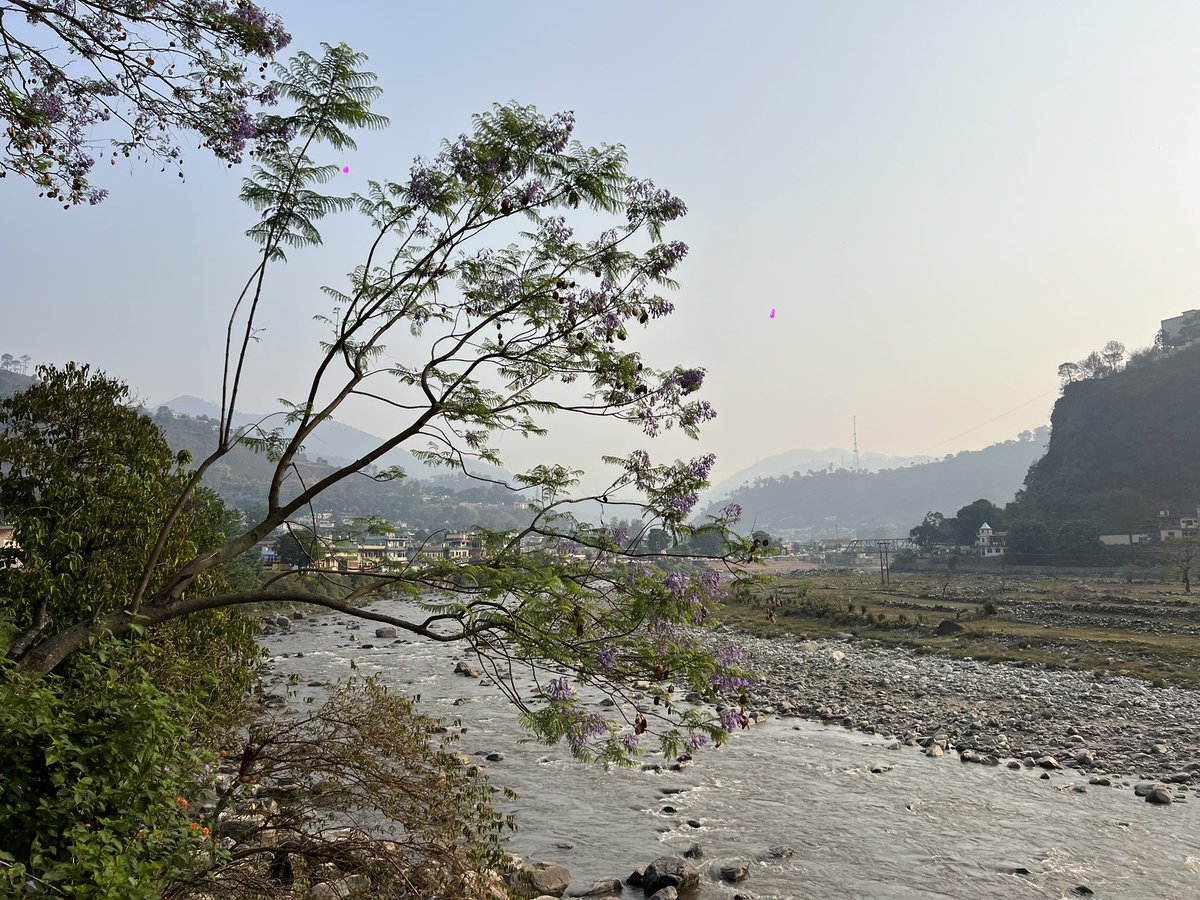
(923, 828)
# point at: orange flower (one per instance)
(181, 802)
(195, 826)
(224, 752)
(204, 831)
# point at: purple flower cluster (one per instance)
(606, 659)
(630, 741)
(585, 727)
(729, 655)
(645, 201)
(555, 132)
(701, 466)
(710, 580)
(620, 537)
(728, 684)
(49, 105)
(731, 719)
(732, 511)
(676, 583)
(532, 193)
(559, 689)
(664, 257)
(556, 231)
(690, 380)
(422, 186)
(684, 504)
(698, 741)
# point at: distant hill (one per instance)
(1124, 447)
(241, 478)
(13, 382)
(804, 460)
(339, 444)
(889, 502)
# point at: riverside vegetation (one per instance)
(124, 654)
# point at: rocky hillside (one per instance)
(1123, 447)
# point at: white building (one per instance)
(989, 542)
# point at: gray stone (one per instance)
(1145, 788)
(599, 889)
(734, 873)
(668, 871)
(948, 626)
(637, 877)
(387, 632)
(1159, 795)
(1049, 762)
(548, 878)
(667, 893)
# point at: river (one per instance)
(920, 828)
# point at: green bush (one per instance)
(98, 766)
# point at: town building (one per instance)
(1171, 525)
(990, 543)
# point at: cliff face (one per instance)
(1123, 447)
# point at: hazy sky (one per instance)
(941, 202)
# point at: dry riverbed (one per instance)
(1092, 730)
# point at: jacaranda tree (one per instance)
(517, 317)
(73, 72)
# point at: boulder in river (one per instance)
(604, 888)
(387, 632)
(548, 878)
(733, 873)
(669, 871)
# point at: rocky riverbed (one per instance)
(1111, 730)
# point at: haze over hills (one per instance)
(241, 478)
(886, 503)
(338, 443)
(802, 460)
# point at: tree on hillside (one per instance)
(140, 72)
(1180, 558)
(1029, 543)
(1113, 355)
(504, 337)
(1077, 542)
(932, 530)
(1069, 373)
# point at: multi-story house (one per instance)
(990, 543)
